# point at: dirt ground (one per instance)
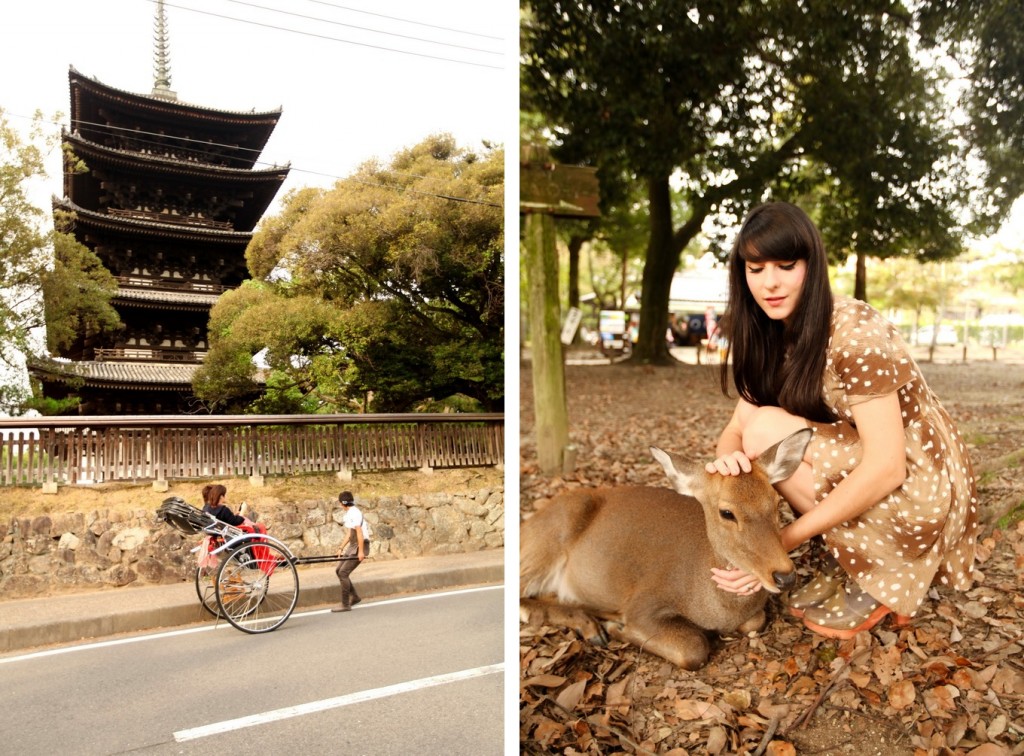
(952, 683)
(128, 498)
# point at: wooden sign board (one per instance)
(566, 191)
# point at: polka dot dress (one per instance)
(924, 531)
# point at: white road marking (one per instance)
(313, 707)
(225, 625)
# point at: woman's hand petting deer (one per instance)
(886, 480)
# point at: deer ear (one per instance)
(781, 460)
(683, 481)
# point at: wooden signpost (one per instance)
(547, 191)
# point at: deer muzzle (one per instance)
(784, 580)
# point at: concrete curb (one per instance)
(29, 623)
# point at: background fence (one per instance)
(138, 448)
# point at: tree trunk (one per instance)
(550, 413)
(664, 248)
(860, 282)
(659, 267)
(575, 245)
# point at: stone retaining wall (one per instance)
(115, 549)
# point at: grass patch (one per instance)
(985, 478)
(1011, 518)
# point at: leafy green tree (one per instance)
(384, 294)
(290, 333)
(77, 289)
(34, 260)
(984, 38)
(732, 102)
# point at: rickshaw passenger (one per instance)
(214, 496)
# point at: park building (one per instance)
(168, 201)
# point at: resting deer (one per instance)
(641, 557)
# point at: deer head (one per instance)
(741, 511)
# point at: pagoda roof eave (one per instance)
(151, 102)
(273, 176)
(137, 375)
(166, 300)
(138, 227)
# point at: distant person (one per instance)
(215, 502)
(886, 480)
(676, 331)
(353, 550)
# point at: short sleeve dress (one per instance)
(925, 530)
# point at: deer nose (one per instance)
(784, 580)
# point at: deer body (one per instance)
(641, 557)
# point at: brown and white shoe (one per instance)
(818, 589)
(814, 593)
(847, 612)
(341, 608)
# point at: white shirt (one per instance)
(354, 518)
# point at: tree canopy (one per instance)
(383, 294)
(829, 104)
(34, 260)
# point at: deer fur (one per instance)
(639, 559)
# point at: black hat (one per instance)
(345, 497)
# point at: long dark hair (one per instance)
(212, 494)
(775, 363)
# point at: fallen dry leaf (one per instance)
(902, 694)
(938, 686)
(570, 697)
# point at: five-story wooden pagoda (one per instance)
(168, 203)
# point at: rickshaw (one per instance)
(248, 578)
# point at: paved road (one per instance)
(417, 675)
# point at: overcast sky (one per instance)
(356, 79)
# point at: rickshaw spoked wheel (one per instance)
(257, 586)
(206, 588)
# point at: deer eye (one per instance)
(726, 514)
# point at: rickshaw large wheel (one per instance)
(206, 588)
(257, 586)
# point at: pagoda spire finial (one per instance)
(161, 56)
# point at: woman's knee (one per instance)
(767, 426)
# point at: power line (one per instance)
(405, 20)
(329, 38)
(364, 28)
(206, 152)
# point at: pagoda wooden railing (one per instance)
(194, 287)
(178, 220)
(85, 450)
(133, 354)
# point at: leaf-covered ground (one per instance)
(952, 683)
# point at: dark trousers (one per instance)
(348, 591)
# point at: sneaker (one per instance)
(341, 608)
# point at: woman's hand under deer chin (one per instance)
(736, 581)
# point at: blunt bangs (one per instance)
(772, 242)
(778, 231)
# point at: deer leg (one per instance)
(671, 637)
(754, 623)
(535, 612)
